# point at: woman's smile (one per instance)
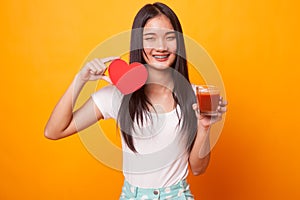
(161, 57)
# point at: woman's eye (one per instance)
(170, 38)
(150, 38)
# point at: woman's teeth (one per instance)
(160, 57)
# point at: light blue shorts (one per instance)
(179, 191)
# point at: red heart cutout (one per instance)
(127, 78)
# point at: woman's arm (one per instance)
(200, 153)
(63, 121)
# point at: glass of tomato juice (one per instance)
(208, 97)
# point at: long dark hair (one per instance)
(135, 106)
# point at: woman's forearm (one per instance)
(62, 114)
(200, 153)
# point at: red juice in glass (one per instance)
(208, 99)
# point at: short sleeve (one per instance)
(108, 100)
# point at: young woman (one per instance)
(161, 128)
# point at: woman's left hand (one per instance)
(206, 121)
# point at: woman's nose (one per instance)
(161, 45)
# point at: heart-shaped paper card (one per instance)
(127, 78)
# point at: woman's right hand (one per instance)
(94, 70)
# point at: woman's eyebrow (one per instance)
(145, 34)
(170, 32)
(167, 33)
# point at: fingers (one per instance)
(197, 111)
(223, 103)
(98, 63)
(97, 66)
(195, 107)
(222, 108)
(108, 59)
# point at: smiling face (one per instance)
(159, 42)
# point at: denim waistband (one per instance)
(179, 190)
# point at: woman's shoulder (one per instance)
(107, 92)
(108, 89)
(108, 100)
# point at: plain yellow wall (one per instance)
(255, 45)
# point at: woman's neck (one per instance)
(159, 81)
(159, 90)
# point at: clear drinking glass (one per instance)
(208, 97)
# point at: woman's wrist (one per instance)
(78, 80)
(202, 127)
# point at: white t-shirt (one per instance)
(161, 159)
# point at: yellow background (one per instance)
(255, 45)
